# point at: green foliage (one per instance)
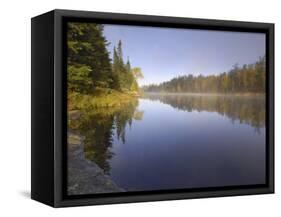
(123, 76)
(247, 79)
(89, 66)
(88, 57)
(79, 78)
(103, 98)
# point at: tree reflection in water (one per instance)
(245, 109)
(99, 125)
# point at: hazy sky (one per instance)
(163, 53)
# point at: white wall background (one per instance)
(15, 106)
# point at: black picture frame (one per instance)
(49, 111)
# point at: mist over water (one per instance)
(168, 141)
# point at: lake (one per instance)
(169, 141)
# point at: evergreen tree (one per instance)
(130, 77)
(88, 59)
(124, 79)
(88, 63)
(115, 71)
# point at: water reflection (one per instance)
(101, 128)
(98, 127)
(246, 109)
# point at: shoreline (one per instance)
(102, 100)
(203, 94)
(85, 176)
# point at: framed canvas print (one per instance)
(130, 108)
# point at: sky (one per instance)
(165, 53)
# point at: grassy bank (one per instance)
(97, 118)
(102, 98)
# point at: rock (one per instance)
(74, 114)
(84, 176)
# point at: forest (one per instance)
(111, 120)
(93, 77)
(249, 78)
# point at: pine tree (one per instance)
(88, 59)
(130, 76)
(89, 65)
(115, 71)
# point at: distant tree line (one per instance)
(89, 65)
(248, 78)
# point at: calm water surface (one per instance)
(180, 141)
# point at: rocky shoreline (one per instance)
(84, 176)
